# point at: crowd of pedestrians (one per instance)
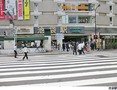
(80, 47)
(76, 47)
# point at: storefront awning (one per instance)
(24, 38)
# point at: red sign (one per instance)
(2, 4)
(20, 10)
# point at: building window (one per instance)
(84, 19)
(110, 8)
(110, 19)
(72, 19)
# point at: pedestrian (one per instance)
(0, 46)
(67, 46)
(83, 45)
(80, 48)
(15, 51)
(63, 46)
(92, 45)
(25, 49)
(75, 48)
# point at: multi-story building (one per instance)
(50, 20)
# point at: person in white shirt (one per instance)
(15, 51)
(25, 49)
(80, 48)
(83, 45)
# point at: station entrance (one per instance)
(75, 38)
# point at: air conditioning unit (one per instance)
(35, 1)
(59, 1)
(60, 13)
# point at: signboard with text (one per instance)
(26, 9)
(20, 9)
(2, 4)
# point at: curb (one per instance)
(34, 54)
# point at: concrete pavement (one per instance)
(97, 68)
(33, 51)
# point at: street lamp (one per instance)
(95, 22)
(6, 12)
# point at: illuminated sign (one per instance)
(26, 9)
(83, 7)
(2, 9)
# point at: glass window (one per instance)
(72, 19)
(84, 19)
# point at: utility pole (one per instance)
(95, 21)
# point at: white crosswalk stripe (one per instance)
(59, 70)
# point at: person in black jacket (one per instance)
(74, 48)
(63, 46)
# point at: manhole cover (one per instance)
(101, 56)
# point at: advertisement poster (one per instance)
(10, 5)
(26, 9)
(20, 9)
(2, 9)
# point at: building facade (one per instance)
(61, 20)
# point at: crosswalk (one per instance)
(59, 70)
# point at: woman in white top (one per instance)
(80, 48)
(25, 49)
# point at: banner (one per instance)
(26, 9)
(20, 9)
(10, 5)
(2, 2)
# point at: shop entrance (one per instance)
(75, 38)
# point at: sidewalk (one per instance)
(32, 52)
(57, 52)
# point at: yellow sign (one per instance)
(26, 9)
(80, 7)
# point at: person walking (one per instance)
(67, 46)
(15, 51)
(80, 48)
(83, 45)
(75, 48)
(63, 46)
(0, 48)
(25, 49)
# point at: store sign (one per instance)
(80, 7)
(23, 30)
(76, 30)
(20, 9)
(26, 9)
(2, 2)
(10, 5)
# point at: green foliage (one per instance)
(114, 45)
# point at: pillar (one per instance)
(47, 43)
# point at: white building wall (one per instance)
(115, 9)
(115, 21)
(9, 44)
(103, 20)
